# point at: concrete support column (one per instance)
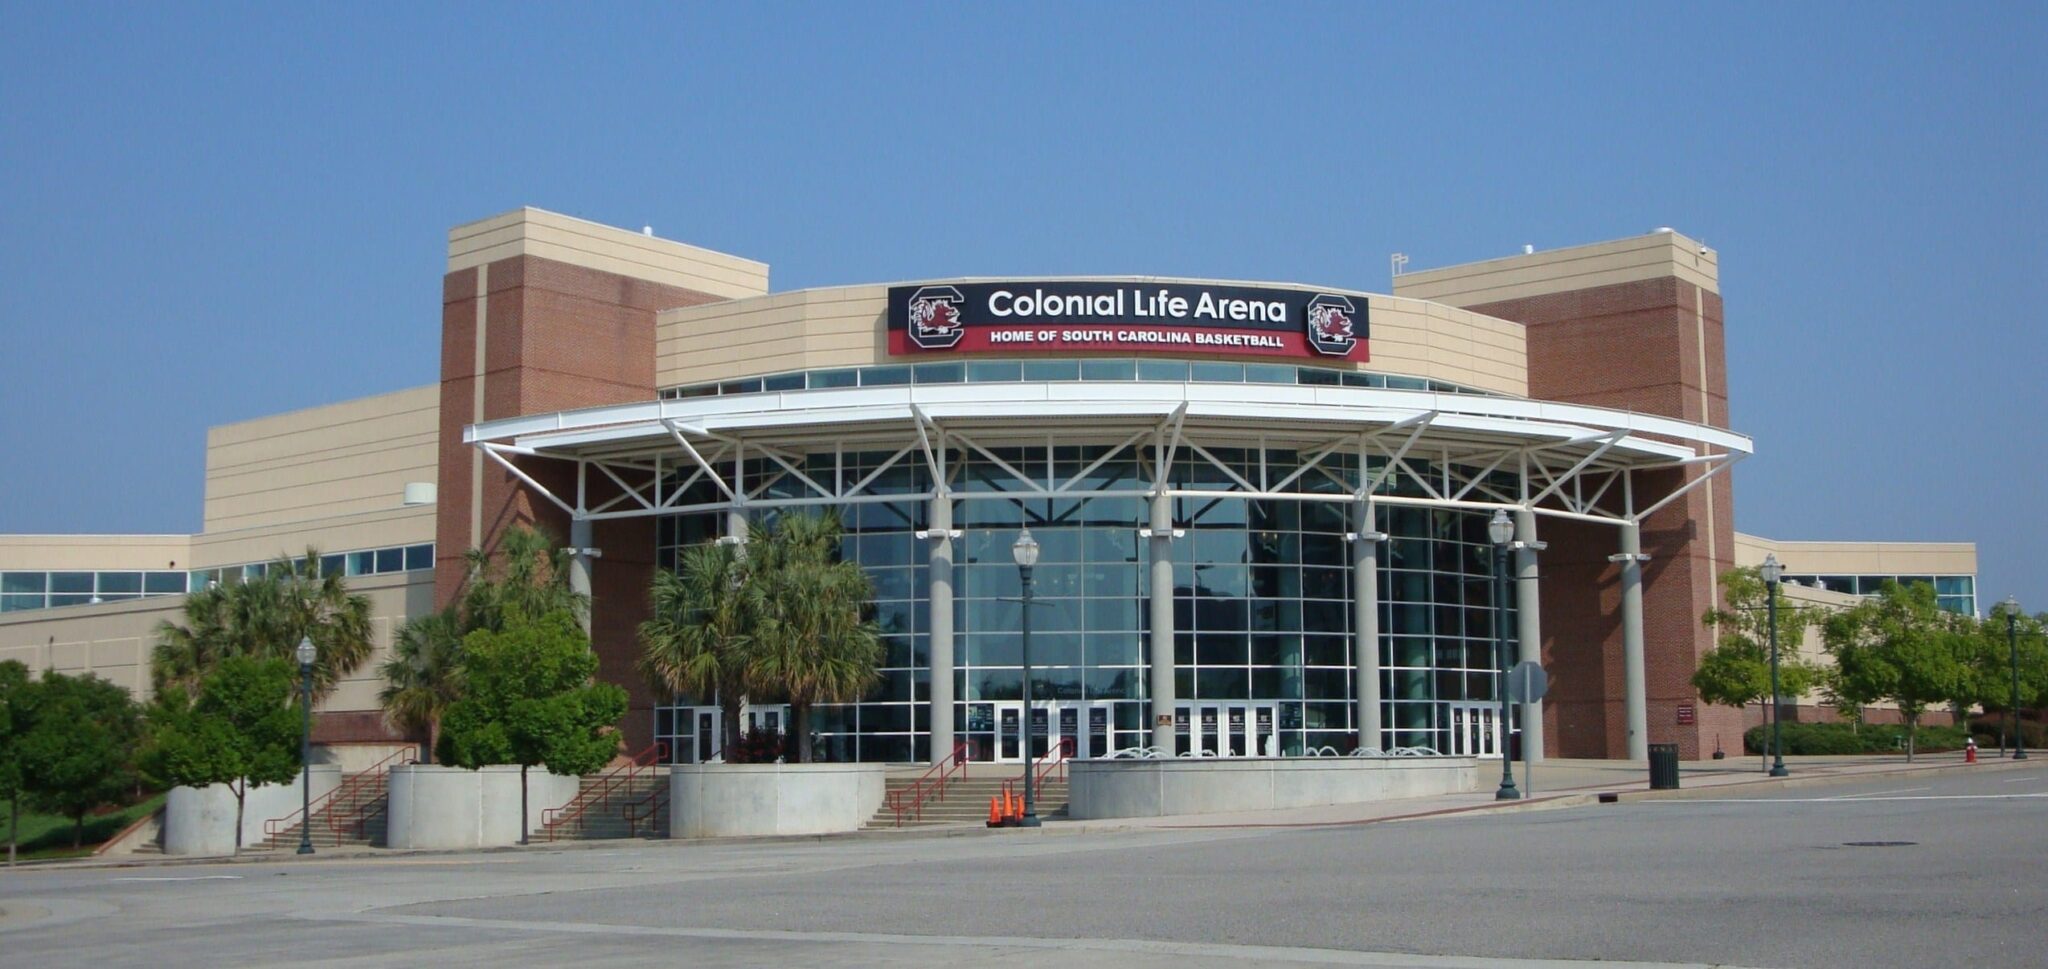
(1162, 623)
(1631, 559)
(580, 554)
(1365, 624)
(1528, 626)
(736, 525)
(941, 627)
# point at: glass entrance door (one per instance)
(1475, 730)
(1227, 729)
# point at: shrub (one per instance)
(756, 747)
(1989, 728)
(1838, 739)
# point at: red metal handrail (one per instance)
(1065, 750)
(277, 826)
(931, 785)
(357, 793)
(655, 800)
(553, 819)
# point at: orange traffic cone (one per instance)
(995, 817)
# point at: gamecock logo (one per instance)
(1331, 328)
(935, 317)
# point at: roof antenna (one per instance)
(1399, 262)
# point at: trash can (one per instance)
(1663, 767)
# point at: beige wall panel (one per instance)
(1864, 558)
(113, 640)
(579, 242)
(342, 459)
(1576, 267)
(34, 553)
(825, 328)
(382, 529)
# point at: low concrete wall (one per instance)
(449, 807)
(1153, 788)
(728, 800)
(201, 820)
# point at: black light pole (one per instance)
(307, 654)
(1772, 572)
(1502, 531)
(1025, 551)
(2012, 645)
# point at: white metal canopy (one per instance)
(1568, 460)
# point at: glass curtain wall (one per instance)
(1262, 597)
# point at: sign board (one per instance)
(1059, 316)
(1687, 715)
(1527, 682)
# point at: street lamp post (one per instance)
(1772, 572)
(1025, 551)
(1502, 530)
(306, 654)
(2012, 645)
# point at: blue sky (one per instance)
(214, 212)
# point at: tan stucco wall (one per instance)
(847, 327)
(310, 466)
(1860, 558)
(36, 553)
(1649, 256)
(579, 242)
(113, 640)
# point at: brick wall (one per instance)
(557, 337)
(1653, 346)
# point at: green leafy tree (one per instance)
(264, 617)
(1737, 671)
(700, 637)
(1996, 644)
(77, 754)
(813, 643)
(1897, 646)
(423, 676)
(14, 685)
(242, 728)
(530, 699)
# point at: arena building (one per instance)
(1263, 507)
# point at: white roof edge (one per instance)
(1502, 415)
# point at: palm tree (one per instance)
(814, 644)
(705, 617)
(423, 675)
(265, 617)
(527, 579)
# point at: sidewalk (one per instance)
(1563, 783)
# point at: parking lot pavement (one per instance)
(1937, 868)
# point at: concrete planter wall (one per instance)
(1153, 788)
(728, 800)
(449, 807)
(201, 820)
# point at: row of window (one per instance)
(1955, 593)
(22, 591)
(1041, 371)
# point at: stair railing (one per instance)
(617, 779)
(1054, 760)
(276, 827)
(646, 809)
(929, 786)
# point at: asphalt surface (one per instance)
(1768, 878)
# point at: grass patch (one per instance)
(49, 835)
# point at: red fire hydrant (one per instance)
(1970, 751)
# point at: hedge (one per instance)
(1844, 738)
